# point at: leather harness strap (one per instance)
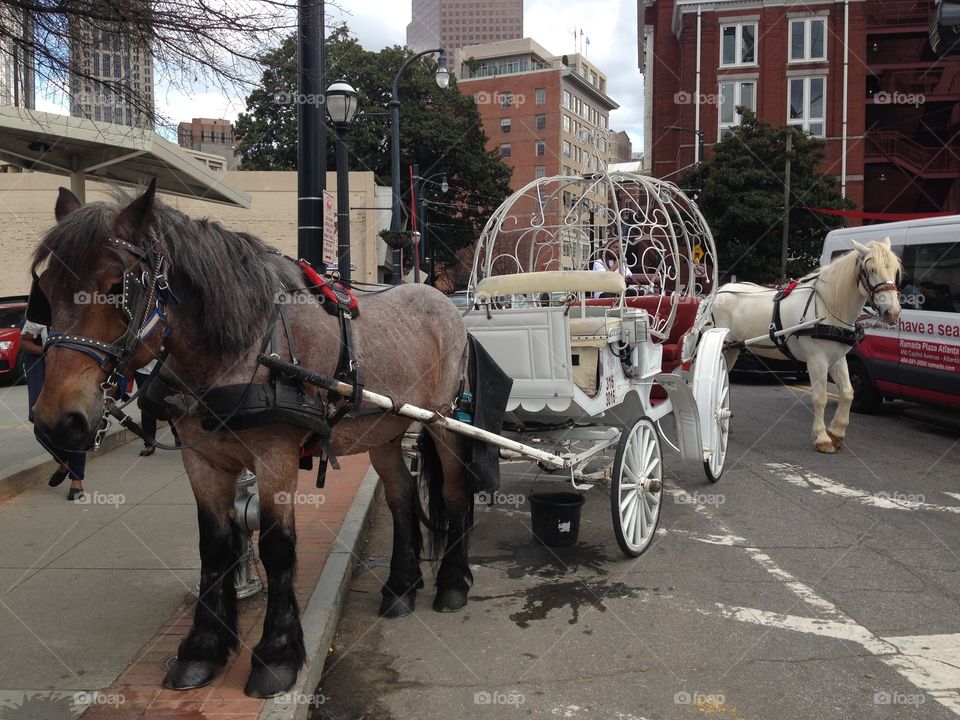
(819, 331)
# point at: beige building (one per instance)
(210, 136)
(27, 200)
(111, 74)
(450, 24)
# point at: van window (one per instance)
(931, 273)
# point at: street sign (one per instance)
(697, 253)
(329, 228)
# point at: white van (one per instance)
(920, 359)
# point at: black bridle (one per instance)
(872, 289)
(143, 301)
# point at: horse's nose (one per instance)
(892, 315)
(71, 432)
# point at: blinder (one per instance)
(38, 306)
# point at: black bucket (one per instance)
(555, 517)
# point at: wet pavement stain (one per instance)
(541, 599)
(536, 560)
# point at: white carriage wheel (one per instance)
(636, 491)
(719, 425)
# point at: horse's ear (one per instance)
(136, 217)
(67, 202)
(886, 241)
(862, 249)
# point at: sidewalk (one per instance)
(96, 597)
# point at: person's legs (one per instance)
(147, 421)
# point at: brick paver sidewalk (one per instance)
(139, 686)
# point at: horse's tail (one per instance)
(432, 471)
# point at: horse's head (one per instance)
(99, 277)
(878, 278)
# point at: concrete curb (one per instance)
(326, 603)
(17, 478)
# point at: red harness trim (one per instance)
(789, 288)
(338, 294)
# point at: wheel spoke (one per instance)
(627, 518)
(625, 500)
(651, 466)
(642, 524)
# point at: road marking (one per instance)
(955, 496)
(928, 661)
(728, 540)
(821, 485)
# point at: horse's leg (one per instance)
(451, 503)
(400, 590)
(278, 656)
(841, 418)
(213, 635)
(817, 368)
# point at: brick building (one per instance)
(450, 25)
(850, 72)
(209, 135)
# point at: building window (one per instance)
(566, 99)
(506, 100)
(541, 122)
(540, 148)
(505, 150)
(505, 125)
(540, 171)
(807, 103)
(738, 44)
(732, 96)
(566, 148)
(566, 123)
(540, 95)
(808, 39)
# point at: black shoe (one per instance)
(147, 451)
(58, 477)
(75, 494)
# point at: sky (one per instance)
(611, 26)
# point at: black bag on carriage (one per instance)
(491, 389)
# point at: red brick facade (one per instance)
(887, 53)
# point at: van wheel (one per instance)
(866, 399)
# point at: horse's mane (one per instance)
(234, 277)
(839, 278)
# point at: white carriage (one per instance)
(593, 293)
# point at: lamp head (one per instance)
(342, 102)
(443, 75)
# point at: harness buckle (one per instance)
(105, 424)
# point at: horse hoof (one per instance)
(189, 674)
(269, 680)
(837, 440)
(827, 447)
(450, 600)
(393, 606)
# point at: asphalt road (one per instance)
(800, 586)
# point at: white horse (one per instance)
(836, 294)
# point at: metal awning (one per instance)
(81, 149)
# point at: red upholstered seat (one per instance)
(660, 306)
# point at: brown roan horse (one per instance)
(410, 342)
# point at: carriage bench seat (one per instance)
(588, 336)
(550, 281)
(660, 307)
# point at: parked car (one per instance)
(919, 359)
(12, 311)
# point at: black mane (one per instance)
(233, 278)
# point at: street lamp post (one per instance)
(699, 134)
(418, 184)
(443, 79)
(342, 103)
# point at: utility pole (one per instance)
(786, 208)
(311, 131)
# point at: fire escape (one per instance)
(912, 145)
